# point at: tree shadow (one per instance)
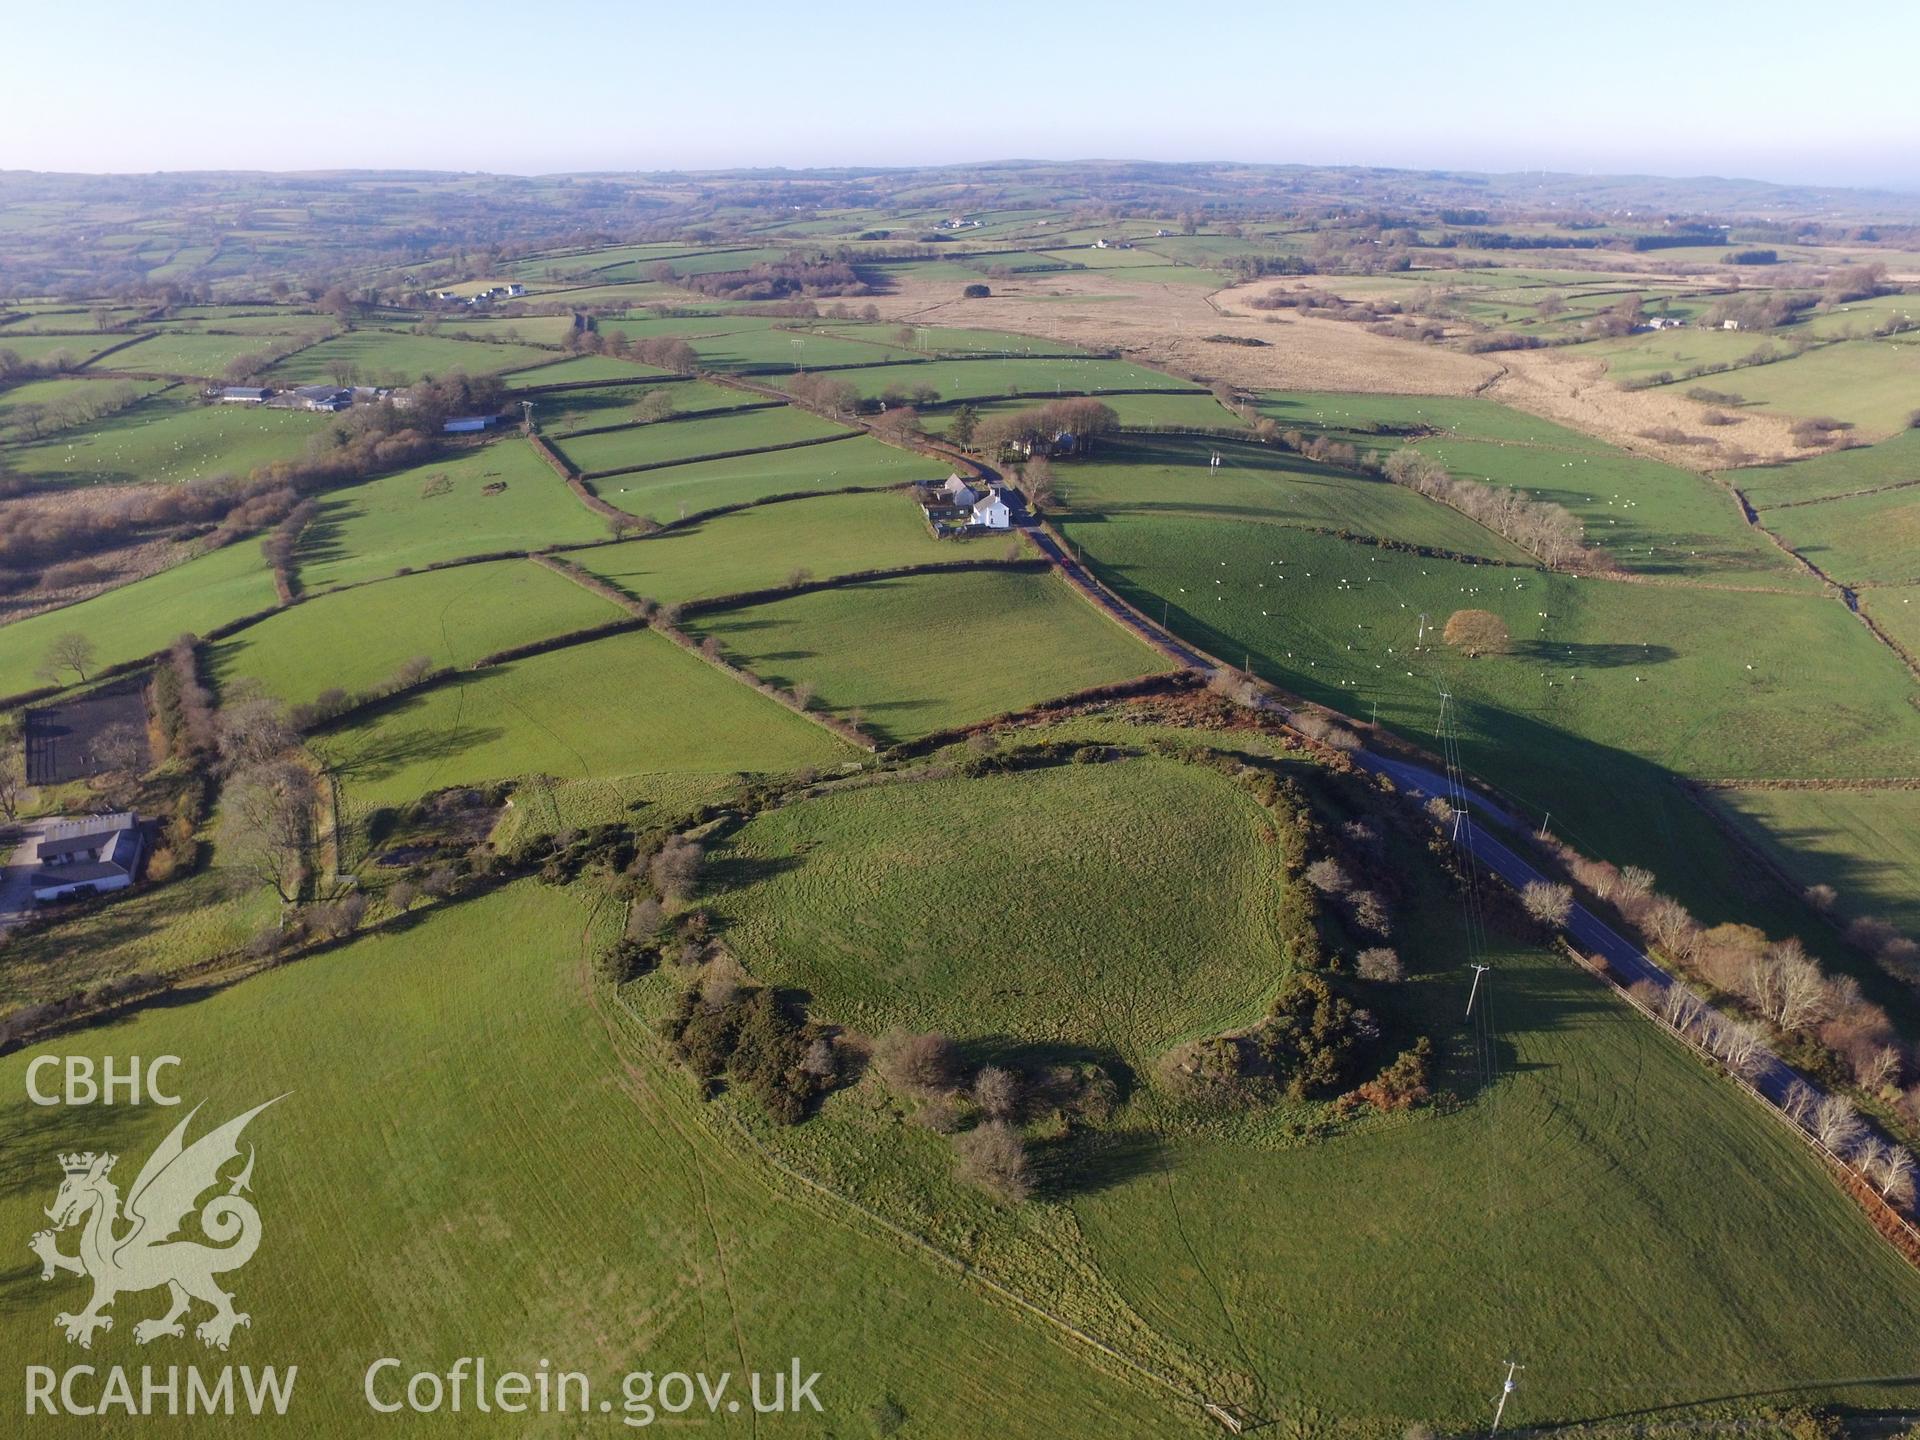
(1597, 655)
(1086, 1162)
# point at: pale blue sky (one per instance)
(1760, 88)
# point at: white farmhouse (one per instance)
(990, 512)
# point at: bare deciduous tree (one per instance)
(1635, 883)
(266, 824)
(675, 869)
(1379, 963)
(1550, 904)
(69, 651)
(916, 1064)
(1478, 632)
(994, 1158)
(996, 1092)
(1836, 1125)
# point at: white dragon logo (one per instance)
(145, 1255)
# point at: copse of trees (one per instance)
(1477, 632)
(1083, 417)
(1549, 531)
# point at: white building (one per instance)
(991, 512)
(86, 856)
(245, 395)
(959, 493)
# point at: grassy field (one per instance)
(1197, 411)
(46, 349)
(1228, 1248)
(1449, 416)
(1896, 611)
(455, 1084)
(1124, 920)
(357, 639)
(386, 357)
(767, 349)
(1864, 843)
(1860, 540)
(1653, 519)
(201, 356)
(629, 704)
(145, 616)
(1040, 379)
(1146, 476)
(560, 413)
(1611, 688)
(1840, 472)
(408, 519)
(754, 549)
(582, 367)
(167, 439)
(1871, 383)
(932, 651)
(679, 490)
(667, 441)
(942, 340)
(46, 392)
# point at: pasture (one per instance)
(356, 639)
(1609, 690)
(1871, 383)
(1859, 540)
(1893, 461)
(1041, 379)
(143, 617)
(1897, 612)
(1383, 419)
(51, 392)
(386, 357)
(491, 498)
(167, 439)
(1148, 475)
(625, 705)
(450, 1080)
(1864, 843)
(578, 368)
(768, 350)
(677, 491)
(877, 943)
(928, 652)
(574, 409)
(201, 356)
(1449, 1229)
(1653, 519)
(668, 442)
(761, 547)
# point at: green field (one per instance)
(1124, 922)
(1872, 383)
(1231, 1250)
(932, 651)
(668, 441)
(687, 489)
(143, 617)
(1611, 688)
(766, 349)
(757, 548)
(573, 409)
(1864, 843)
(456, 1084)
(943, 340)
(357, 638)
(1896, 611)
(1145, 476)
(1041, 379)
(582, 367)
(48, 349)
(201, 356)
(408, 520)
(1653, 519)
(167, 439)
(49, 392)
(1450, 416)
(1183, 409)
(1861, 540)
(385, 357)
(626, 705)
(1893, 461)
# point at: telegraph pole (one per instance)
(1543, 824)
(1505, 1390)
(1478, 971)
